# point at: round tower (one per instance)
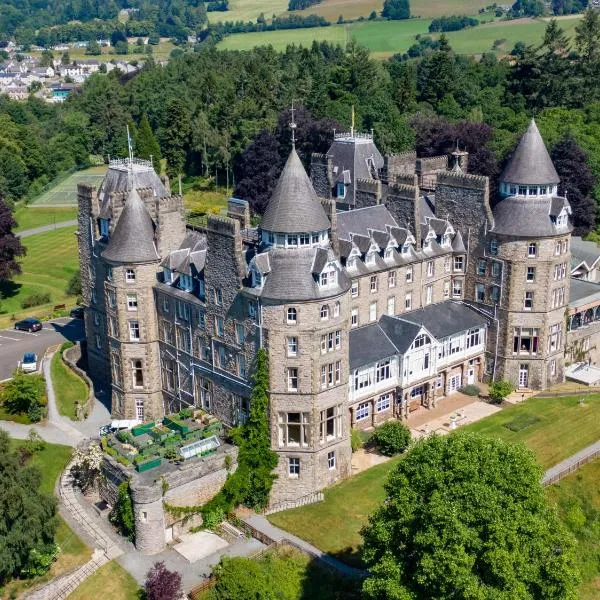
(149, 517)
(528, 249)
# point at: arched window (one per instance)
(336, 309)
(138, 373)
(325, 311)
(292, 315)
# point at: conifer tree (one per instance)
(146, 145)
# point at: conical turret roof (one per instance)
(530, 163)
(133, 238)
(294, 206)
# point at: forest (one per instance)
(216, 110)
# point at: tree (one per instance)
(22, 392)
(65, 59)
(162, 584)
(393, 437)
(74, 285)
(122, 513)
(86, 465)
(46, 59)
(436, 74)
(10, 245)
(500, 389)
(576, 182)
(587, 42)
(396, 9)
(93, 48)
(466, 516)
(175, 135)
(240, 579)
(27, 517)
(146, 145)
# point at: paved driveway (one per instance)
(13, 344)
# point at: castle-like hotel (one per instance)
(378, 285)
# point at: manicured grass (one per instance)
(69, 388)
(559, 428)
(334, 524)
(50, 262)
(29, 217)
(65, 191)
(389, 37)
(577, 498)
(109, 581)
(248, 10)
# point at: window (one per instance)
(528, 302)
(292, 315)
(240, 333)
(533, 190)
(203, 392)
(522, 190)
(336, 309)
(493, 247)
(202, 319)
(532, 250)
(330, 424)
(324, 312)
(292, 346)
(552, 368)
(420, 341)
(221, 357)
(331, 374)
(219, 326)
(457, 288)
(98, 342)
(373, 283)
(251, 309)
(331, 341)
(331, 460)
(481, 268)
(430, 268)
(328, 278)
(167, 275)
(408, 301)
(525, 340)
(293, 429)
(354, 290)
(113, 328)
(116, 368)
(530, 276)
(292, 379)
(168, 374)
(293, 467)
(373, 311)
(138, 373)
(392, 279)
(166, 307)
(409, 274)
(383, 370)
(183, 339)
(112, 298)
(94, 296)
(104, 227)
(429, 294)
(513, 190)
(495, 293)
(292, 240)
(97, 319)
(129, 275)
(447, 264)
(109, 273)
(139, 409)
(362, 411)
(134, 331)
(340, 189)
(186, 283)
(391, 306)
(555, 338)
(446, 290)
(183, 311)
(354, 317)
(241, 365)
(132, 303)
(458, 263)
(496, 269)
(304, 239)
(479, 292)
(384, 402)
(474, 338)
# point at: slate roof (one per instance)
(582, 292)
(368, 345)
(361, 220)
(292, 276)
(119, 178)
(458, 244)
(530, 162)
(400, 331)
(294, 206)
(525, 217)
(132, 240)
(583, 251)
(445, 318)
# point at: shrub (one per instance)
(23, 391)
(35, 412)
(356, 441)
(36, 300)
(162, 584)
(186, 413)
(40, 560)
(213, 518)
(391, 438)
(74, 285)
(499, 389)
(470, 390)
(122, 513)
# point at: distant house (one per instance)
(61, 91)
(16, 92)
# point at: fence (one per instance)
(289, 504)
(571, 468)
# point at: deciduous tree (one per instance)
(162, 584)
(466, 516)
(10, 245)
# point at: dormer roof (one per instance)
(530, 163)
(294, 206)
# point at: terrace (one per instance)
(163, 446)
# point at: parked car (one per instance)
(29, 362)
(77, 312)
(29, 324)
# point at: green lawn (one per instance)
(109, 581)
(561, 426)
(554, 428)
(577, 498)
(69, 388)
(50, 262)
(28, 217)
(334, 524)
(64, 193)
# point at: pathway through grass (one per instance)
(29, 217)
(109, 581)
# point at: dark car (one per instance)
(30, 324)
(77, 312)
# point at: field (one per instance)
(553, 428)
(70, 388)
(50, 262)
(384, 38)
(577, 498)
(64, 193)
(29, 217)
(109, 581)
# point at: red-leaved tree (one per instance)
(162, 584)
(10, 245)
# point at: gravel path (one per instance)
(43, 228)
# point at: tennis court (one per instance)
(64, 193)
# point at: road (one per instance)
(13, 344)
(43, 228)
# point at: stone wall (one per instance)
(321, 174)
(367, 192)
(403, 203)
(72, 356)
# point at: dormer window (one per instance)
(389, 253)
(405, 248)
(292, 240)
(257, 279)
(371, 258)
(563, 219)
(543, 190)
(513, 190)
(104, 228)
(167, 275)
(328, 277)
(522, 190)
(420, 341)
(533, 190)
(186, 283)
(340, 189)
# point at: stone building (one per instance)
(379, 285)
